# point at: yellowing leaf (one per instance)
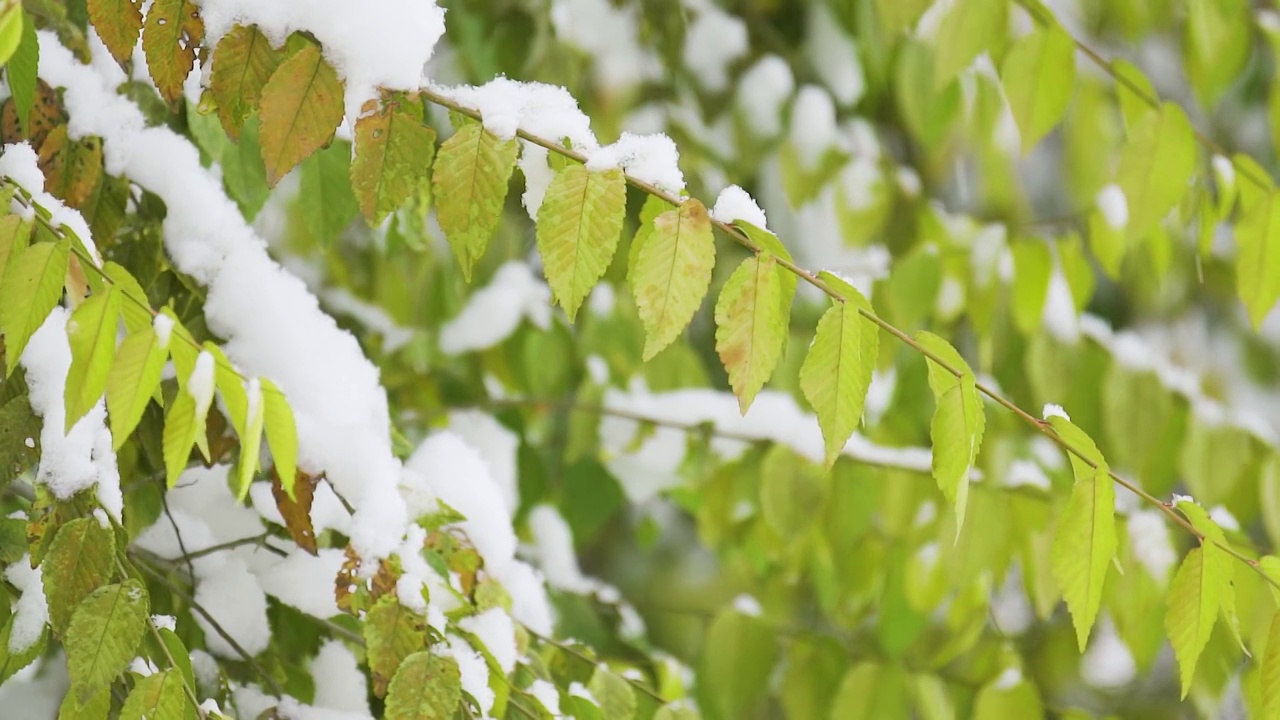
(242, 63)
(172, 32)
(837, 371)
(81, 559)
(470, 187)
(1039, 75)
(1085, 541)
(1258, 256)
(672, 273)
(91, 331)
(15, 236)
(134, 377)
(969, 28)
(1195, 597)
(156, 697)
(31, 286)
(750, 326)
(118, 23)
(958, 422)
(300, 111)
(579, 223)
(250, 440)
(104, 635)
(393, 158)
(1271, 671)
(1155, 166)
(426, 687)
(392, 632)
(282, 434)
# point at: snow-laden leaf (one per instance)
(672, 273)
(11, 662)
(91, 331)
(470, 186)
(180, 430)
(394, 148)
(21, 72)
(750, 326)
(1039, 75)
(135, 375)
(1258, 257)
(80, 560)
(426, 687)
(1271, 671)
(958, 422)
(392, 632)
(31, 286)
(837, 371)
(171, 34)
(579, 223)
(1194, 600)
(969, 28)
(326, 198)
(1085, 541)
(242, 63)
(282, 434)
(118, 23)
(300, 110)
(104, 635)
(156, 697)
(1155, 166)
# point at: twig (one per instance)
(593, 663)
(260, 540)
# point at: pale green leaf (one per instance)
(327, 202)
(958, 422)
(171, 34)
(282, 434)
(91, 331)
(426, 687)
(80, 560)
(242, 63)
(1155, 167)
(301, 109)
(394, 148)
(31, 286)
(104, 635)
(1219, 36)
(133, 379)
(790, 488)
(579, 223)
(837, 371)
(180, 429)
(870, 692)
(250, 440)
(672, 273)
(98, 706)
(118, 23)
(1258, 256)
(1109, 244)
(969, 28)
(617, 699)
(1033, 267)
(1084, 543)
(156, 697)
(750, 327)
(134, 305)
(1194, 600)
(15, 236)
(22, 71)
(1039, 76)
(998, 702)
(11, 23)
(738, 656)
(1271, 671)
(1135, 93)
(470, 186)
(392, 633)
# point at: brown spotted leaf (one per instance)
(72, 168)
(242, 63)
(392, 632)
(118, 23)
(297, 510)
(46, 113)
(300, 111)
(170, 36)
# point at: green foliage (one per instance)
(1038, 74)
(425, 687)
(837, 371)
(671, 272)
(958, 421)
(32, 286)
(579, 223)
(104, 634)
(750, 325)
(469, 187)
(91, 331)
(80, 560)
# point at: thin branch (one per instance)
(811, 278)
(259, 540)
(177, 533)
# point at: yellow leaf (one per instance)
(172, 32)
(118, 23)
(242, 63)
(301, 108)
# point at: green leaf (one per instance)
(118, 23)
(243, 172)
(773, 246)
(1194, 600)
(1085, 541)
(672, 273)
(1134, 92)
(394, 148)
(617, 699)
(1258, 256)
(470, 186)
(171, 34)
(156, 697)
(104, 635)
(1218, 44)
(22, 70)
(242, 63)
(15, 236)
(998, 702)
(250, 440)
(426, 687)
(837, 371)
(750, 326)
(1039, 75)
(11, 662)
(738, 655)
(579, 224)
(91, 332)
(326, 200)
(79, 561)
(1155, 167)
(180, 430)
(20, 432)
(676, 711)
(958, 422)
(870, 692)
(133, 379)
(1271, 671)
(11, 25)
(301, 109)
(968, 29)
(282, 434)
(31, 286)
(98, 706)
(790, 488)
(1033, 267)
(392, 633)
(134, 305)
